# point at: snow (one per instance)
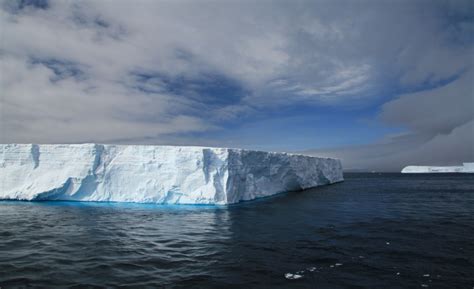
(155, 174)
(465, 168)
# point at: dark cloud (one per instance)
(16, 6)
(394, 154)
(61, 69)
(441, 124)
(434, 111)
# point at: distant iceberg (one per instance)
(155, 174)
(465, 168)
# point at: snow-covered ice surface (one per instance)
(465, 168)
(155, 174)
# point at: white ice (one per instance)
(465, 168)
(155, 174)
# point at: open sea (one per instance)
(371, 231)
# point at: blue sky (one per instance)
(338, 78)
(300, 128)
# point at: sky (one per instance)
(378, 84)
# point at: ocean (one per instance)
(371, 231)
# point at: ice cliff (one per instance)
(155, 174)
(465, 168)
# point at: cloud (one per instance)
(441, 131)
(393, 154)
(154, 71)
(47, 102)
(438, 110)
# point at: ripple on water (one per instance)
(389, 230)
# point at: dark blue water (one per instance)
(372, 231)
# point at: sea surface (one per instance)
(371, 231)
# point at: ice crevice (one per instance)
(35, 154)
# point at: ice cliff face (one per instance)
(155, 174)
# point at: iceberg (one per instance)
(155, 174)
(465, 168)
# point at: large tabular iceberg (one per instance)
(155, 174)
(465, 168)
